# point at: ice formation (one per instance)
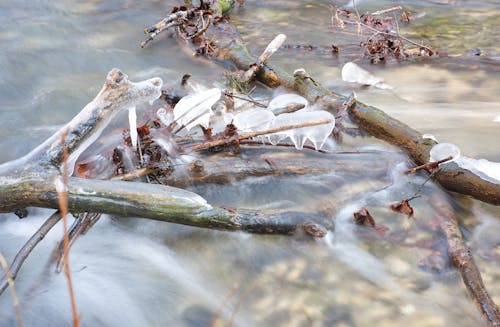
(485, 169)
(352, 73)
(442, 151)
(253, 120)
(132, 121)
(281, 102)
(196, 109)
(316, 134)
(165, 117)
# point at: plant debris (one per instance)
(384, 40)
(403, 207)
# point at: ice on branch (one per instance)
(253, 120)
(132, 121)
(286, 103)
(487, 170)
(441, 151)
(352, 73)
(196, 109)
(317, 135)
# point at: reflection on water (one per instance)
(136, 272)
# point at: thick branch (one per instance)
(151, 201)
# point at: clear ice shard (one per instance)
(253, 120)
(442, 151)
(279, 103)
(132, 121)
(352, 73)
(317, 134)
(196, 109)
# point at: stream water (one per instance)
(136, 272)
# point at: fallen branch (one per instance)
(462, 259)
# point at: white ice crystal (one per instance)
(482, 166)
(442, 151)
(253, 120)
(316, 134)
(132, 121)
(280, 102)
(195, 109)
(352, 73)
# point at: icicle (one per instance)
(316, 134)
(132, 121)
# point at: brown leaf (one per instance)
(403, 207)
(363, 217)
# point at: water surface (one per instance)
(137, 272)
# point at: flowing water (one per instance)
(135, 272)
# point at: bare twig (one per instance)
(271, 48)
(429, 166)
(388, 10)
(28, 247)
(359, 23)
(244, 136)
(62, 194)
(171, 20)
(10, 281)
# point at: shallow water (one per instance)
(137, 272)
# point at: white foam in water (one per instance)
(120, 278)
(360, 260)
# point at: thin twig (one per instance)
(245, 99)
(429, 166)
(28, 247)
(10, 281)
(385, 11)
(244, 136)
(62, 194)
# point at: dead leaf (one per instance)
(363, 217)
(403, 207)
